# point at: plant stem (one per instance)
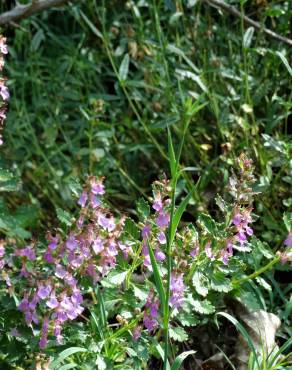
(258, 272)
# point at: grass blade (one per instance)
(243, 332)
(157, 277)
(180, 359)
(171, 154)
(65, 354)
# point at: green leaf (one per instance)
(132, 229)
(207, 223)
(101, 364)
(140, 294)
(171, 154)
(188, 319)
(65, 354)
(91, 25)
(220, 283)
(247, 38)
(157, 277)
(178, 334)
(200, 282)
(8, 181)
(64, 217)
(180, 359)
(204, 307)
(143, 208)
(124, 68)
(117, 278)
(285, 62)
(68, 366)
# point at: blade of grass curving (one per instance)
(161, 353)
(180, 359)
(243, 332)
(171, 154)
(68, 366)
(286, 345)
(65, 354)
(179, 212)
(101, 307)
(157, 277)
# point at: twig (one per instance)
(24, 11)
(232, 10)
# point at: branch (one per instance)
(232, 10)
(24, 11)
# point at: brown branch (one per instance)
(232, 10)
(24, 11)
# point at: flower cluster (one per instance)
(4, 92)
(151, 312)
(90, 249)
(155, 232)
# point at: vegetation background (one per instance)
(94, 85)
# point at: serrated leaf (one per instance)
(220, 283)
(64, 217)
(117, 278)
(131, 228)
(200, 283)
(188, 319)
(143, 208)
(124, 68)
(207, 223)
(203, 307)
(178, 334)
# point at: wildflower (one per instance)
(159, 255)
(44, 333)
(137, 333)
(157, 204)
(288, 240)
(194, 252)
(97, 187)
(83, 199)
(161, 237)
(146, 231)
(3, 46)
(163, 219)
(4, 92)
(44, 291)
(208, 251)
(177, 289)
(71, 243)
(151, 313)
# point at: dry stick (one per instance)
(24, 11)
(232, 10)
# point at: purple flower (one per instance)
(146, 231)
(151, 313)
(44, 291)
(236, 219)
(97, 187)
(161, 237)
(163, 219)
(26, 252)
(71, 243)
(53, 242)
(177, 289)
(137, 333)
(241, 237)
(4, 92)
(94, 201)
(208, 251)
(97, 246)
(288, 240)
(106, 223)
(60, 272)
(194, 252)
(3, 46)
(159, 255)
(52, 302)
(157, 204)
(83, 199)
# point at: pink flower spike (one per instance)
(161, 237)
(236, 219)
